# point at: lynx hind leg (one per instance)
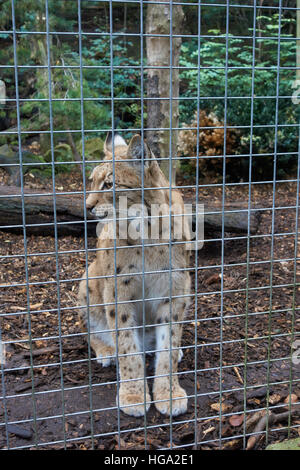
(93, 319)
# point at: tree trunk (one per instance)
(158, 83)
(39, 53)
(2, 92)
(76, 154)
(298, 42)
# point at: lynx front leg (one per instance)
(104, 353)
(163, 385)
(131, 366)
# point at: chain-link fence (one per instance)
(156, 145)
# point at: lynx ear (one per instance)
(118, 142)
(138, 151)
(91, 177)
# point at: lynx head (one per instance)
(125, 170)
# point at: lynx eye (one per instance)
(107, 185)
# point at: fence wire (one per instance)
(241, 337)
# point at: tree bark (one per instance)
(39, 53)
(76, 154)
(159, 113)
(298, 42)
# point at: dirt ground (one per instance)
(67, 397)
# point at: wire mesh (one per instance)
(240, 342)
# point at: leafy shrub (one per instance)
(239, 85)
(210, 140)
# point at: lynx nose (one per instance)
(90, 207)
(104, 215)
(99, 214)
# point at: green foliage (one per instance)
(79, 99)
(242, 84)
(93, 150)
(61, 153)
(91, 93)
(67, 88)
(126, 81)
(290, 444)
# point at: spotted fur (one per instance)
(116, 286)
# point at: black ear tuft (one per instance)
(108, 141)
(138, 149)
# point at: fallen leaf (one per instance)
(216, 407)
(35, 306)
(207, 431)
(232, 444)
(236, 420)
(213, 279)
(16, 307)
(290, 399)
(251, 442)
(274, 399)
(238, 375)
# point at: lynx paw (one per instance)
(179, 401)
(132, 403)
(105, 361)
(103, 356)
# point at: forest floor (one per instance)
(74, 398)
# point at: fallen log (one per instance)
(235, 217)
(39, 214)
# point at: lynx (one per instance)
(137, 299)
